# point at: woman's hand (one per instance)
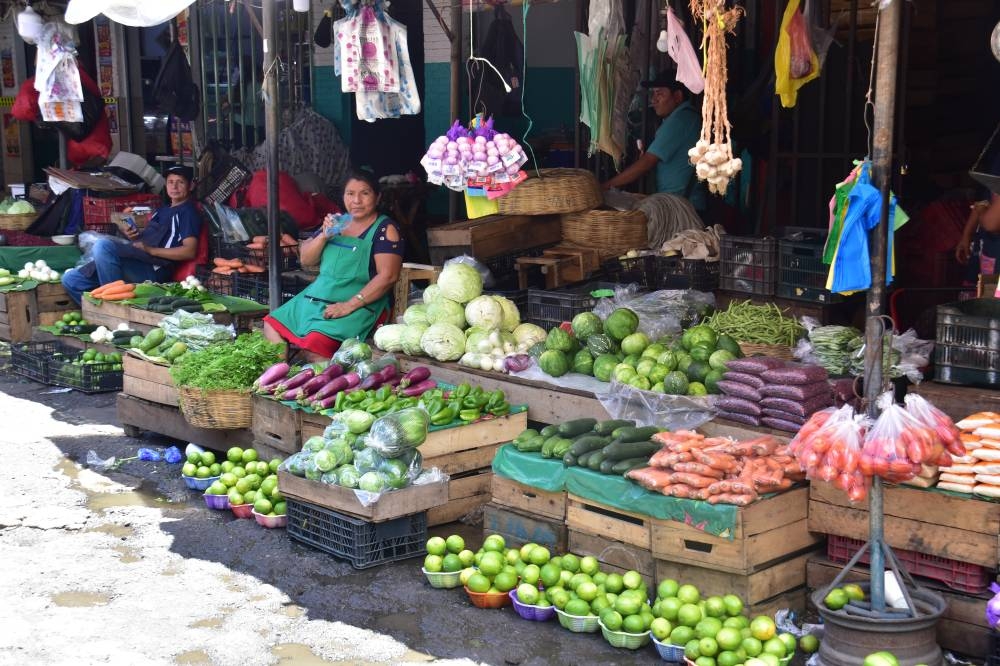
(963, 250)
(337, 310)
(328, 223)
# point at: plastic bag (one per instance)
(802, 53)
(571, 380)
(371, 366)
(351, 352)
(993, 606)
(787, 84)
(822, 37)
(425, 476)
(661, 313)
(828, 448)
(86, 241)
(944, 428)
(96, 462)
(230, 224)
(196, 329)
(647, 408)
(393, 434)
(488, 280)
(898, 444)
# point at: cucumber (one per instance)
(632, 434)
(549, 430)
(608, 427)
(569, 460)
(622, 466)
(588, 443)
(606, 466)
(595, 460)
(581, 461)
(577, 427)
(623, 450)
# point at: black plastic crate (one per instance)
(217, 283)
(749, 265)
(289, 257)
(504, 266)
(676, 272)
(255, 287)
(967, 349)
(548, 308)
(641, 270)
(518, 296)
(86, 377)
(802, 274)
(364, 544)
(31, 359)
(226, 250)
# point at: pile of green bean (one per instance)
(758, 324)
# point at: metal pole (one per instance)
(885, 103)
(456, 86)
(271, 141)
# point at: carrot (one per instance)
(257, 246)
(288, 241)
(254, 268)
(106, 287)
(230, 263)
(119, 295)
(223, 270)
(262, 240)
(118, 289)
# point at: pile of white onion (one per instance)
(38, 270)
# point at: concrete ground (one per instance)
(129, 567)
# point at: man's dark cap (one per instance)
(184, 171)
(665, 79)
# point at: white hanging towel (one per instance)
(680, 50)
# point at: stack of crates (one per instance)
(802, 275)
(968, 342)
(749, 265)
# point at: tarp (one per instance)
(530, 469)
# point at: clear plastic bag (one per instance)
(488, 280)
(351, 352)
(828, 448)
(944, 428)
(647, 408)
(393, 434)
(86, 241)
(897, 444)
(196, 329)
(661, 313)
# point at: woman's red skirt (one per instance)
(315, 342)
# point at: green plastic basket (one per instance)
(624, 639)
(581, 624)
(443, 580)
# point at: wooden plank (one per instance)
(613, 555)
(528, 498)
(148, 390)
(391, 504)
(166, 420)
(753, 588)
(463, 461)
(455, 509)
(958, 401)
(928, 538)
(51, 318)
(495, 235)
(965, 513)
(475, 482)
(681, 543)
(962, 627)
(518, 528)
(52, 297)
(590, 517)
(482, 433)
(276, 424)
(795, 600)
(770, 512)
(312, 425)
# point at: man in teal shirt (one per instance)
(668, 153)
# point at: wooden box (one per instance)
(111, 314)
(276, 424)
(391, 504)
(466, 492)
(518, 528)
(18, 315)
(614, 556)
(311, 425)
(148, 381)
(766, 531)
(528, 498)
(964, 529)
(589, 517)
(52, 303)
(491, 236)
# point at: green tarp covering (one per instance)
(58, 258)
(530, 469)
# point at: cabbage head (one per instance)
(484, 312)
(460, 282)
(432, 293)
(394, 433)
(511, 317)
(388, 337)
(410, 339)
(20, 207)
(528, 334)
(446, 311)
(477, 340)
(444, 342)
(416, 314)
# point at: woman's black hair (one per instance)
(365, 176)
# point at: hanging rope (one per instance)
(524, 112)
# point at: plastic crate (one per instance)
(255, 287)
(967, 349)
(31, 359)
(504, 266)
(217, 283)
(225, 250)
(87, 377)
(97, 210)
(550, 308)
(518, 296)
(362, 543)
(961, 576)
(289, 257)
(640, 270)
(749, 265)
(802, 274)
(679, 273)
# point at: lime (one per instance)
(263, 506)
(808, 643)
(494, 542)
(734, 605)
(681, 635)
(234, 454)
(203, 472)
(633, 624)
(505, 581)
(688, 594)
(789, 641)
(612, 619)
(527, 594)
(467, 557)
(189, 469)
(692, 649)
(531, 573)
(280, 508)
(573, 606)
(587, 591)
(836, 599)
(752, 646)
(708, 646)
(632, 580)
(762, 628)
(478, 583)
(436, 546)
(491, 564)
(249, 455)
(669, 608)
(728, 658)
(433, 563)
(549, 575)
(729, 638)
(614, 583)
(715, 606)
(570, 562)
(854, 592)
(455, 544)
(708, 626)
(667, 588)
(689, 615)
(452, 563)
(539, 555)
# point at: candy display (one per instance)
(475, 158)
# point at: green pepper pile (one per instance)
(464, 402)
(377, 402)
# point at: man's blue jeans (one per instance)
(108, 267)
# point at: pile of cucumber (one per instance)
(613, 447)
(170, 304)
(157, 345)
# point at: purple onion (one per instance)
(517, 363)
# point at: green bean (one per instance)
(760, 324)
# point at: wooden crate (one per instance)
(18, 315)
(754, 588)
(148, 381)
(492, 236)
(52, 303)
(466, 492)
(964, 529)
(614, 556)
(311, 425)
(276, 424)
(111, 314)
(519, 528)
(962, 627)
(587, 516)
(529, 499)
(391, 504)
(766, 531)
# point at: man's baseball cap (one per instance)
(184, 171)
(665, 79)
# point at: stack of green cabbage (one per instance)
(10, 206)
(457, 322)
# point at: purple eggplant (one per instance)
(333, 387)
(415, 390)
(268, 389)
(298, 380)
(376, 379)
(290, 394)
(325, 403)
(352, 379)
(273, 375)
(333, 370)
(313, 385)
(415, 376)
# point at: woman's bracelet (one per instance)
(360, 297)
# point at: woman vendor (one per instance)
(358, 266)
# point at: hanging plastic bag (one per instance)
(822, 37)
(679, 48)
(828, 448)
(897, 445)
(944, 428)
(802, 54)
(789, 60)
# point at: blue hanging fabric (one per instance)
(852, 263)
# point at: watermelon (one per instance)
(583, 362)
(604, 365)
(601, 343)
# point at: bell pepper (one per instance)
(444, 417)
(373, 407)
(340, 401)
(383, 393)
(500, 410)
(461, 391)
(496, 397)
(434, 406)
(477, 391)
(470, 402)
(355, 397)
(469, 415)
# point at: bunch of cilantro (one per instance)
(227, 367)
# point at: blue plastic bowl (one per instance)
(194, 483)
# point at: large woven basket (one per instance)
(783, 352)
(228, 410)
(17, 222)
(612, 232)
(557, 191)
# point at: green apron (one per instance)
(343, 272)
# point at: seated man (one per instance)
(170, 237)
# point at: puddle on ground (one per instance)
(193, 658)
(79, 599)
(394, 624)
(207, 623)
(113, 529)
(298, 654)
(293, 611)
(99, 502)
(68, 467)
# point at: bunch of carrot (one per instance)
(230, 266)
(119, 290)
(718, 470)
(260, 242)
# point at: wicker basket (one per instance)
(557, 191)
(612, 232)
(216, 409)
(17, 222)
(783, 352)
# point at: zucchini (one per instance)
(577, 427)
(633, 434)
(623, 450)
(595, 460)
(622, 466)
(609, 426)
(581, 461)
(549, 430)
(588, 443)
(606, 466)
(569, 460)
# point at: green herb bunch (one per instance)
(227, 366)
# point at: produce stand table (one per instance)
(74, 341)
(958, 401)
(111, 314)
(149, 381)
(492, 236)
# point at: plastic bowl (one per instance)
(64, 239)
(217, 502)
(488, 599)
(530, 611)
(668, 652)
(787, 660)
(580, 624)
(242, 510)
(624, 639)
(443, 580)
(194, 483)
(269, 522)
